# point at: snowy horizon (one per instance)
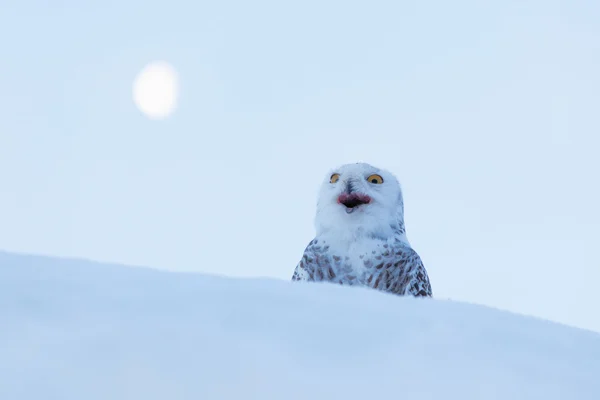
(89, 330)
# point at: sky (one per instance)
(487, 112)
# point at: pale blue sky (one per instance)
(488, 112)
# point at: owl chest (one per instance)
(350, 266)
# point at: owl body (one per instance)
(390, 265)
(361, 239)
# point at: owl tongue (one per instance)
(353, 200)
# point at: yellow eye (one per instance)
(334, 178)
(376, 179)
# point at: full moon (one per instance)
(155, 90)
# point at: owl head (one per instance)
(360, 199)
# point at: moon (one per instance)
(155, 90)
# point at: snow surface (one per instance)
(72, 329)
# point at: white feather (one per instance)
(352, 240)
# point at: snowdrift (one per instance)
(74, 329)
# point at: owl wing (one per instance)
(300, 274)
(400, 271)
(303, 270)
(418, 284)
(315, 264)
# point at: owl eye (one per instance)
(376, 179)
(334, 178)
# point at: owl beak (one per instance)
(350, 188)
(353, 200)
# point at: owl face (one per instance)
(357, 196)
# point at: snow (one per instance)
(73, 329)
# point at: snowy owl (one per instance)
(360, 235)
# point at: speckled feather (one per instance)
(394, 268)
(368, 247)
